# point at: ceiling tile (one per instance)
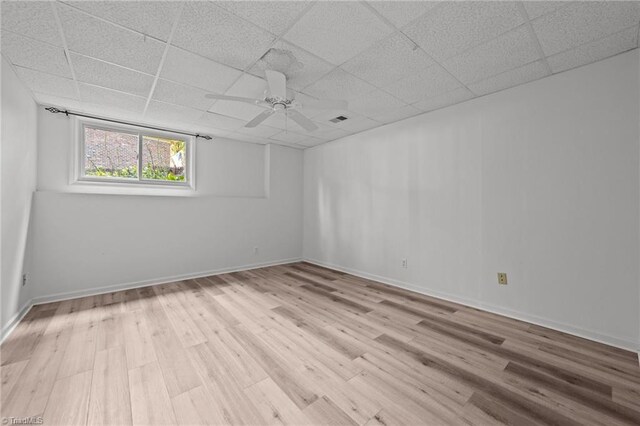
(92, 71)
(178, 94)
(194, 70)
(337, 31)
(301, 70)
(397, 114)
(339, 84)
(57, 101)
(506, 52)
(374, 103)
(536, 9)
(289, 137)
(311, 141)
(29, 53)
(430, 82)
(388, 61)
(595, 51)
(92, 37)
(248, 138)
(510, 78)
(356, 124)
(221, 122)
(274, 16)
(458, 95)
(248, 86)
(172, 113)
(47, 84)
(325, 131)
(582, 22)
(238, 110)
(454, 27)
(217, 34)
(154, 18)
(401, 13)
(111, 98)
(33, 19)
(260, 131)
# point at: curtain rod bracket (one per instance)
(55, 110)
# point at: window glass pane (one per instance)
(110, 154)
(163, 159)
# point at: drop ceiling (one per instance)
(153, 61)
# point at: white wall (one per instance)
(540, 181)
(84, 242)
(18, 181)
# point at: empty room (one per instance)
(369, 213)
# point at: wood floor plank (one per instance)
(69, 400)
(150, 402)
(223, 387)
(197, 407)
(137, 339)
(110, 402)
(274, 405)
(10, 374)
(301, 344)
(23, 340)
(179, 375)
(80, 351)
(325, 411)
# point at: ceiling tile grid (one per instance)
(453, 27)
(100, 73)
(191, 69)
(152, 18)
(510, 50)
(427, 83)
(455, 96)
(48, 84)
(594, 51)
(513, 77)
(582, 22)
(391, 60)
(98, 39)
(337, 31)
(29, 53)
(217, 34)
(34, 19)
(178, 94)
(310, 68)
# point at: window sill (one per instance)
(114, 188)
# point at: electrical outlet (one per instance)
(404, 263)
(24, 279)
(255, 251)
(502, 278)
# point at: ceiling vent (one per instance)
(338, 119)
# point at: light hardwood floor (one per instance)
(299, 344)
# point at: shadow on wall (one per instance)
(16, 298)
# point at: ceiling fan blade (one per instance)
(277, 84)
(233, 98)
(303, 121)
(326, 104)
(260, 118)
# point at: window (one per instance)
(126, 155)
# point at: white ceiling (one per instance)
(154, 61)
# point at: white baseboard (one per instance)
(629, 345)
(56, 297)
(15, 319)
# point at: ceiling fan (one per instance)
(278, 100)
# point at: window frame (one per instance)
(78, 171)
